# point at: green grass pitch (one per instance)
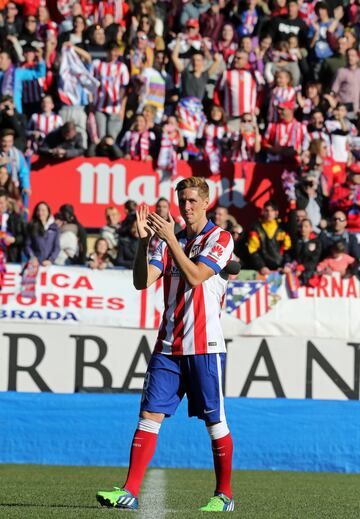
(44, 492)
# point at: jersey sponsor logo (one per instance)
(212, 344)
(216, 252)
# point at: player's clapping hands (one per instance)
(163, 229)
(143, 227)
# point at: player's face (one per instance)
(192, 206)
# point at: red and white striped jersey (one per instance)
(113, 77)
(292, 134)
(280, 95)
(191, 318)
(215, 132)
(239, 87)
(44, 123)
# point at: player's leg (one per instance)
(142, 449)
(162, 394)
(204, 387)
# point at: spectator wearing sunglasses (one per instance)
(338, 232)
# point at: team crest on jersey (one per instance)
(216, 252)
(195, 250)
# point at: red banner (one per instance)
(93, 184)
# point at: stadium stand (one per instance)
(220, 82)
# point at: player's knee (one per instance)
(156, 417)
(217, 430)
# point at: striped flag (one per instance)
(247, 300)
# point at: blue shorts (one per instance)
(200, 377)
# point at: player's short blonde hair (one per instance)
(194, 183)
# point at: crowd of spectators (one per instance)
(159, 80)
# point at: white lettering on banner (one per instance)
(104, 184)
(64, 359)
(72, 294)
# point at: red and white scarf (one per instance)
(139, 145)
(214, 136)
(167, 159)
(244, 147)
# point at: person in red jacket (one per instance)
(346, 197)
(29, 7)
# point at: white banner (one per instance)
(332, 310)
(65, 359)
(76, 295)
(80, 296)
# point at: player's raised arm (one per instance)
(144, 274)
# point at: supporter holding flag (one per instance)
(76, 85)
(191, 117)
(12, 77)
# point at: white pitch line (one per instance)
(152, 499)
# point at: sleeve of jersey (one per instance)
(157, 258)
(217, 251)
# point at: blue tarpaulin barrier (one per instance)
(269, 434)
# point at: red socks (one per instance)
(222, 451)
(142, 450)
